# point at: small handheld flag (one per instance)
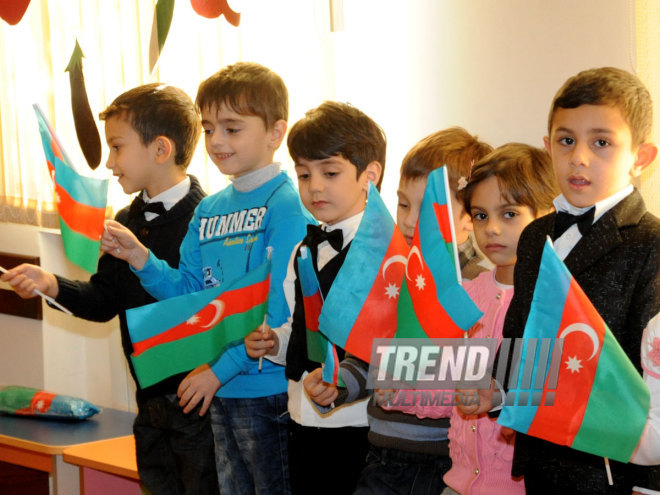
(183, 332)
(433, 302)
(600, 402)
(319, 348)
(81, 201)
(361, 304)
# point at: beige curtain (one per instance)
(114, 36)
(647, 17)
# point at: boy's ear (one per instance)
(277, 134)
(163, 148)
(546, 142)
(373, 172)
(646, 153)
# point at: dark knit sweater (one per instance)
(114, 288)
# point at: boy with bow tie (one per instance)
(598, 131)
(337, 151)
(152, 132)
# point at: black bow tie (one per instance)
(139, 207)
(564, 220)
(316, 235)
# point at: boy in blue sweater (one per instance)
(244, 111)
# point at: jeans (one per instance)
(174, 450)
(251, 445)
(396, 472)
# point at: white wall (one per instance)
(61, 353)
(491, 66)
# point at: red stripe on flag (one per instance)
(312, 305)
(442, 215)
(84, 219)
(431, 315)
(380, 304)
(233, 302)
(560, 422)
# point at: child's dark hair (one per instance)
(247, 88)
(159, 110)
(612, 87)
(524, 173)
(338, 129)
(454, 147)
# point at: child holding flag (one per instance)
(507, 189)
(152, 132)
(338, 151)
(598, 138)
(244, 110)
(406, 451)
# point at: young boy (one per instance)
(152, 132)
(406, 451)
(598, 131)
(337, 151)
(244, 111)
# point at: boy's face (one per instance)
(133, 163)
(330, 190)
(498, 224)
(411, 193)
(239, 144)
(592, 153)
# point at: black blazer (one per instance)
(617, 264)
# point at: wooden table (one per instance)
(106, 467)
(38, 443)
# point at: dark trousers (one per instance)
(174, 450)
(326, 460)
(396, 472)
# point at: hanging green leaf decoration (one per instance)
(86, 130)
(163, 14)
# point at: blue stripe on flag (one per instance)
(309, 283)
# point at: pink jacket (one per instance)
(481, 450)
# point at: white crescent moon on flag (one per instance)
(397, 258)
(586, 329)
(219, 308)
(414, 251)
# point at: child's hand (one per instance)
(323, 393)
(25, 278)
(480, 401)
(122, 243)
(384, 395)
(201, 384)
(259, 343)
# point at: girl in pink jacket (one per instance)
(506, 191)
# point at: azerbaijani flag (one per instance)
(81, 201)
(600, 400)
(361, 304)
(433, 302)
(319, 348)
(183, 332)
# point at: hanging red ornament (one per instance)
(215, 8)
(12, 11)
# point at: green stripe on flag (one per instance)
(408, 326)
(80, 249)
(170, 358)
(618, 397)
